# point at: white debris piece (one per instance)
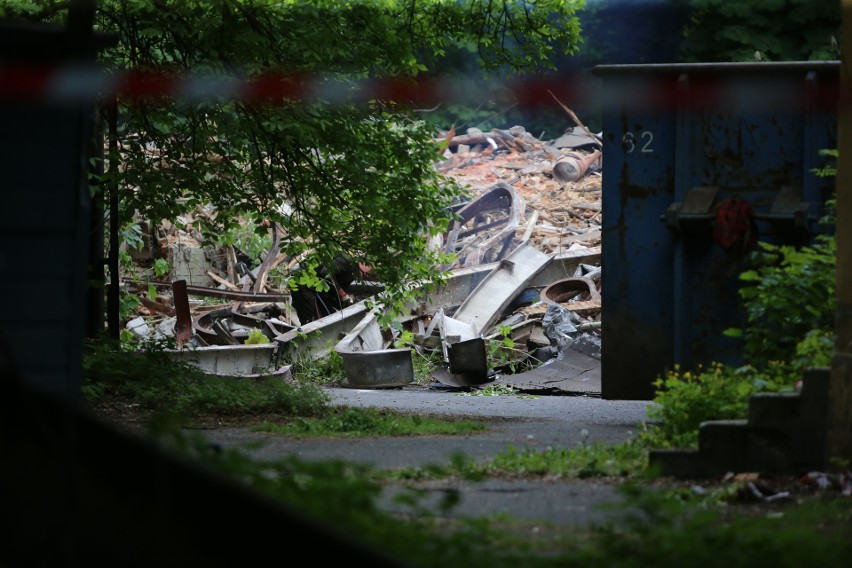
(138, 327)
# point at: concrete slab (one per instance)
(492, 296)
(233, 360)
(572, 372)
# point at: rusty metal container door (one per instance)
(687, 148)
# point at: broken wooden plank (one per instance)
(222, 281)
(266, 265)
(586, 308)
(231, 259)
(530, 224)
(157, 307)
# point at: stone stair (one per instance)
(783, 434)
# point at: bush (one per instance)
(685, 399)
(787, 293)
(158, 384)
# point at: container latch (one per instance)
(697, 205)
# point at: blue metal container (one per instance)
(681, 142)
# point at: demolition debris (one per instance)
(526, 273)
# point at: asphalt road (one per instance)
(536, 422)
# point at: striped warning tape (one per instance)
(70, 83)
(82, 83)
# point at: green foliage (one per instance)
(127, 306)
(424, 362)
(787, 292)
(151, 379)
(503, 353)
(585, 460)
(659, 531)
(499, 350)
(157, 384)
(405, 339)
(828, 170)
(815, 350)
(790, 330)
(780, 30)
(658, 528)
(334, 491)
(131, 235)
(249, 237)
(347, 421)
(684, 399)
(256, 337)
(337, 176)
(19, 8)
(161, 267)
(326, 370)
(627, 460)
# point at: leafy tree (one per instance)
(337, 173)
(769, 30)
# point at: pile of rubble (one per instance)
(557, 182)
(542, 195)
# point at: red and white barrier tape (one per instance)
(83, 84)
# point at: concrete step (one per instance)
(784, 433)
(774, 411)
(724, 445)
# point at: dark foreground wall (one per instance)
(77, 492)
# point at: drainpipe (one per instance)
(839, 427)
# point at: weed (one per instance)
(503, 353)
(627, 460)
(490, 390)
(159, 384)
(161, 267)
(660, 531)
(405, 339)
(656, 527)
(684, 399)
(424, 363)
(256, 337)
(424, 360)
(249, 238)
(326, 370)
(781, 341)
(586, 460)
(348, 421)
(788, 292)
(127, 306)
(460, 466)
